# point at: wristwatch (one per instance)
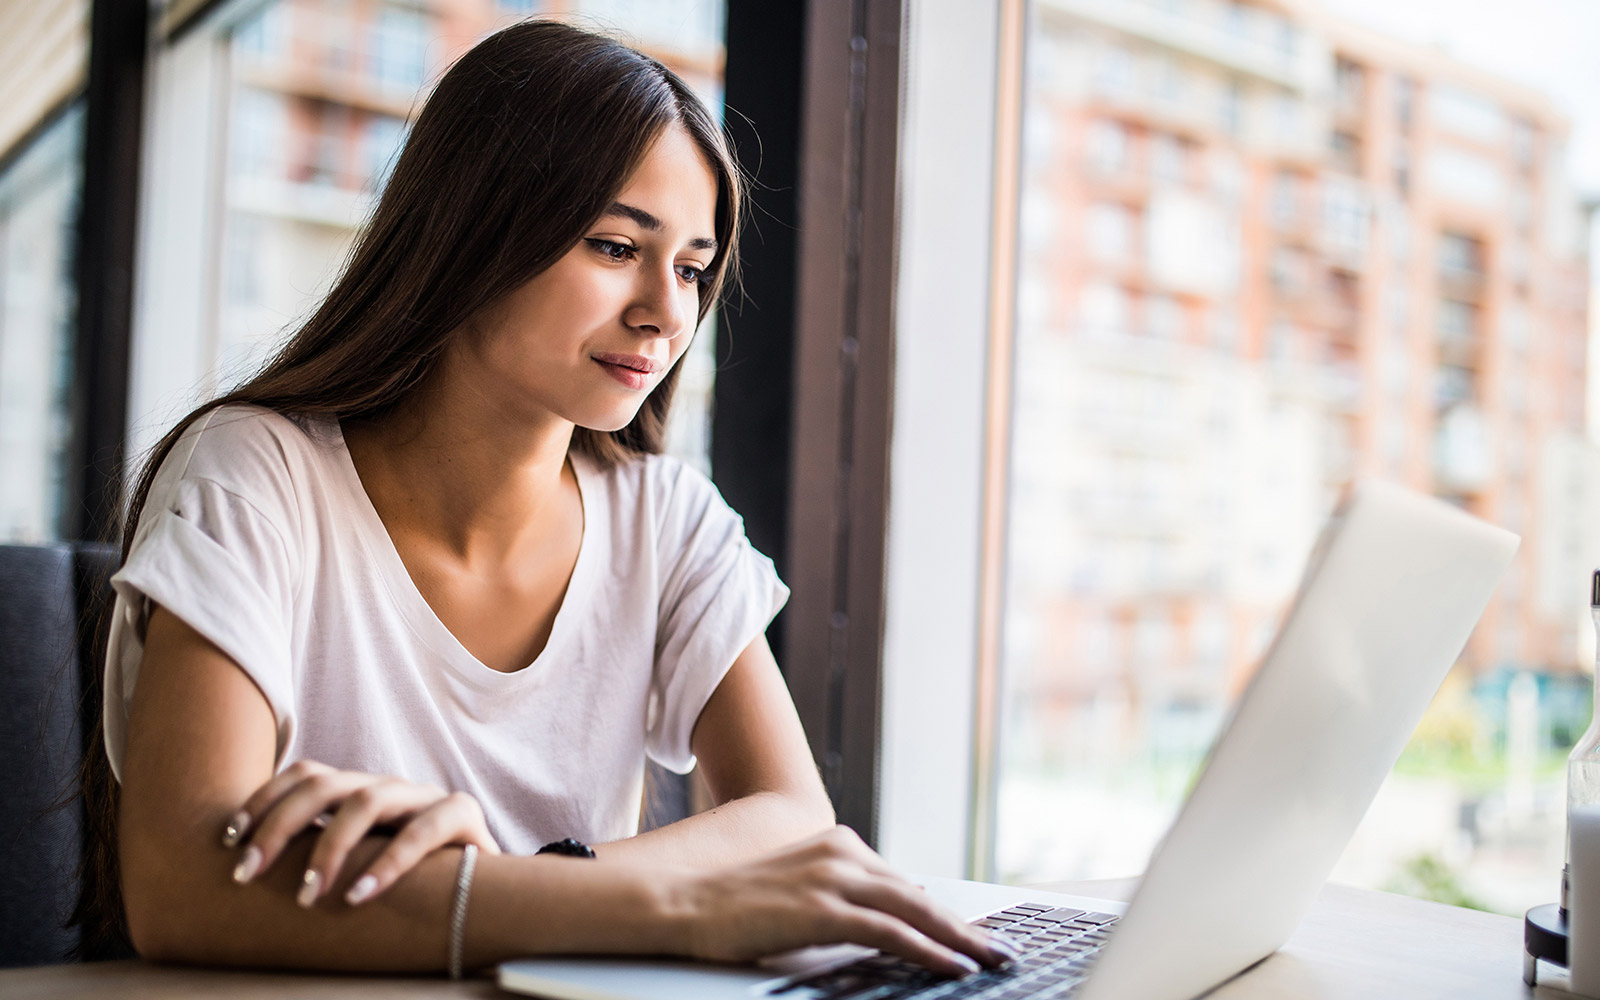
(569, 846)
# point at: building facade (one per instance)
(1265, 252)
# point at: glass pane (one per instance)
(318, 111)
(1262, 255)
(39, 198)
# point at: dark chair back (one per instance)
(49, 702)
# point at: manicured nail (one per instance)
(248, 865)
(361, 890)
(1003, 948)
(238, 826)
(966, 963)
(310, 887)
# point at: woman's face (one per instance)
(589, 338)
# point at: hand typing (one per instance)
(829, 889)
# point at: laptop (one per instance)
(1390, 594)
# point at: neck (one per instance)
(450, 468)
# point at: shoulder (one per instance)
(245, 455)
(248, 449)
(659, 484)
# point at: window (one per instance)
(1345, 151)
(1114, 74)
(1466, 114)
(260, 133)
(1107, 144)
(1467, 176)
(1460, 255)
(1110, 235)
(381, 140)
(1105, 309)
(1345, 215)
(1405, 101)
(399, 48)
(1349, 86)
(39, 197)
(1285, 199)
(1169, 158)
(1174, 574)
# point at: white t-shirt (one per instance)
(258, 534)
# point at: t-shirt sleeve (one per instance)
(216, 561)
(718, 593)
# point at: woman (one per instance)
(423, 593)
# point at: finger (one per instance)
(262, 799)
(877, 929)
(379, 802)
(455, 819)
(915, 908)
(291, 814)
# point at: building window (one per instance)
(1164, 318)
(1285, 205)
(381, 139)
(259, 134)
(1169, 158)
(1466, 114)
(1111, 231)
(1460, 255)
(1107, 145)
(1405, 101)
(399, 48)
(1349, 86)
(1104, 309)
(1345, 151)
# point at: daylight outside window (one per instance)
(1264, 250)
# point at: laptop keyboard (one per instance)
(1055, 947)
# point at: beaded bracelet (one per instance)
(458, 907)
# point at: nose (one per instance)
(658, 305)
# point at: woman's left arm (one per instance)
(757, 764)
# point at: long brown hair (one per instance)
(521, 147)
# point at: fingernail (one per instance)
(965, 962)
(310, 886)
(1003, 948)
(361, 890)
(238, 826)
(246, 869)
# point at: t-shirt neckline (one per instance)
(419, 614)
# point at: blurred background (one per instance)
(1263, 248)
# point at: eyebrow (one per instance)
(650, 223)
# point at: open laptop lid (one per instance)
(1386, 605)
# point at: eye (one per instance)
(691, 275)
(611, 248)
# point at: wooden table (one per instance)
(1354, 943)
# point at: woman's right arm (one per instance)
(202, 738)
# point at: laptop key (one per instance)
(1060, 914)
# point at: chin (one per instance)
(607, 423)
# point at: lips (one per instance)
(632, 370)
